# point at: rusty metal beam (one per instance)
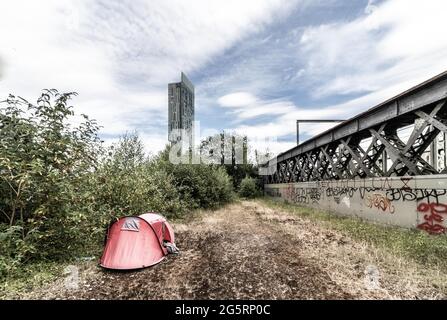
(338, 153)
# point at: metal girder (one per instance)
(430, 118)
(370, 160)
(357, 158)
(331, 161)
(398, 155)
(342, 152)
(420, 139)
(314, 165)
(344, 161)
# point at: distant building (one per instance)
(181, 108)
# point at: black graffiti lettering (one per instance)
(406, 181)
(364, 190)
(430, 195)
(273, 192)
(362, 193)
(339, 189)
(306, 195)
(394, 194)
(408, 195)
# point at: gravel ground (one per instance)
(250, 251)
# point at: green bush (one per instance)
(199, 185)
(43, 161)
(129, 183)
(223, 150)
(60, 187)
(249, 188)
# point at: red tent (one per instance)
(137, 242)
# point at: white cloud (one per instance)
(265, 108)
(237, 99)
(154, 142)
(398, 41)
(246, 106)
(285, 124)
(370, 7)
(394, 46)
(120, 55)
(1, 68)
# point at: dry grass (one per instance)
(259, 250)
(329, 242)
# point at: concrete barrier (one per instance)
(411, 202)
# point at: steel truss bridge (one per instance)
(373, 143)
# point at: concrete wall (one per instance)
(411, 202)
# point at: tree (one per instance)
(249, 188)
(42, 162)
(230, 151)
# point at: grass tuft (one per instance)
(414, 244)
(29, 277)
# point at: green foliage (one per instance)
(60, 187)
(249, 188)
(29, 276)
(42, 163)
(230, 151)
(199, 186)
(128, 183)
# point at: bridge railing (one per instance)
(371, 144)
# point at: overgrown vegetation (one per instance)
(414, 244)
(43, 163)
(249, 188)
(231, 152)
(60, 187)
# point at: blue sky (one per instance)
(257, 65)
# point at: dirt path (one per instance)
(249, 251)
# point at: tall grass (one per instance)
(414, 244)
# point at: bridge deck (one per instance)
(338, 153)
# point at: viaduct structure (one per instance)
(391, 159)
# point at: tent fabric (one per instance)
(137, 242)
(160, 225)
(131, 223)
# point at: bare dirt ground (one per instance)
(250, 251)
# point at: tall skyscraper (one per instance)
(181, 108)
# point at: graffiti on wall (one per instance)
(418, 194)
(340, 191)
(433, 219)
(301, 195)
(272, 192)
(392, 194)
(381, 194)
(379, 201)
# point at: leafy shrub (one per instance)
(199, 185)
(230, 151)
(128, 183)
(42, 163)
(249, 188)
(60, 187)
